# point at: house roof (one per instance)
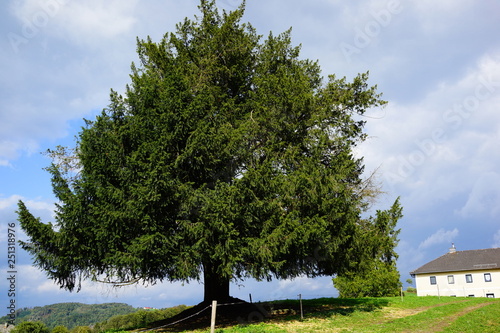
(470, 260)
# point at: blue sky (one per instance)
(435, 144)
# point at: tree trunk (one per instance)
(216, 286)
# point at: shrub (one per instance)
(381, 281)
(60, 329)
(31, 327)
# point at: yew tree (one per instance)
(228, 156)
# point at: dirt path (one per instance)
(401, 313)
(440, 325)
(447, 321)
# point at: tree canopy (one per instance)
(228, 157)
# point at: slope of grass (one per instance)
(413, 314)
(483, 320)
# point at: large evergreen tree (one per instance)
(228, 157)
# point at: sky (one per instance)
(435, 145)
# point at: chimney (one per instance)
(452, 248)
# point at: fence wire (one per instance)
(188, 317)
(225, 304)
(175, 322)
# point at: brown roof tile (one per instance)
(462, 261)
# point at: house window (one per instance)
(468, 278)
(471, 296)
(451, 279)
(490, 295)
(487, 277)
(433, 280)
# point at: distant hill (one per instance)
(71, 314)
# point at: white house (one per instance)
(473, 273)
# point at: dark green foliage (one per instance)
(31, 327)
(71, 315)
(376, 274)
(228, 157)
(379, 281)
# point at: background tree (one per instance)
(228, 157)
(71, 314)
(375, 273)
(410, 287)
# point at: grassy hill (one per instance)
(71, 314)
(391, 314)
(386, 314)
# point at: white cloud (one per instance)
(9, 202)
(484, 198)
(409, 257)
(9, 150)
(68, 56)
(440, 237)
(317, 287)
(8, 206)
(430, 14)
(82, 22)
(496, 239)
(424, 148)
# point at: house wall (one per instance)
(478, 288)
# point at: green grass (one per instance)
(485, 319)
(413, 314)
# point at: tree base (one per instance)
(236, 311)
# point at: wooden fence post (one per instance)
(214, 311)
(301, 311)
